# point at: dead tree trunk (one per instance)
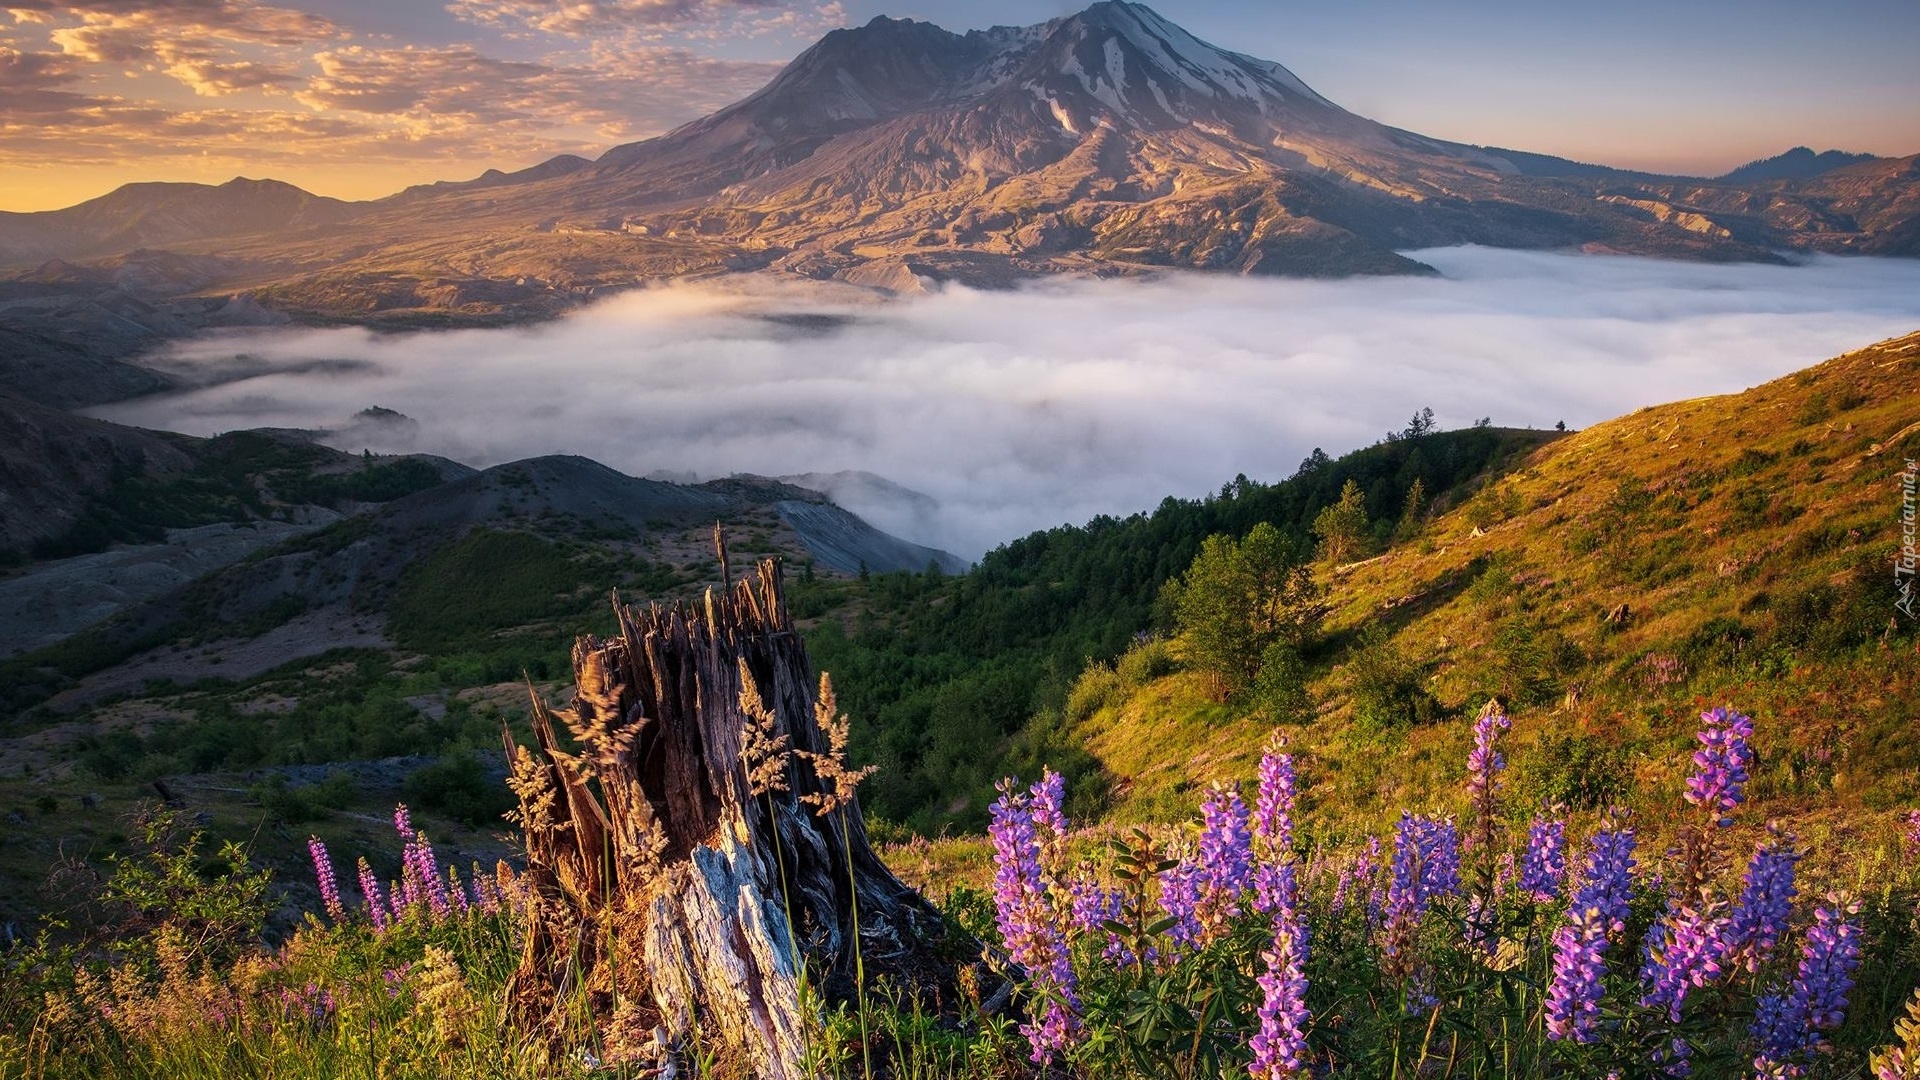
(700, 849)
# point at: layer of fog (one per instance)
(1023, 410)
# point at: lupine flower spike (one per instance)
(329, 884)
(1719, 779)
(1790, 1024)
(1025, 914)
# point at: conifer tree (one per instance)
(1342, 527)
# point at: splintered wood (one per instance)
(699, 846)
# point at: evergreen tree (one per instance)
(1412, 510)
(1342, 527)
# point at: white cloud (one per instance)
(1065, 400)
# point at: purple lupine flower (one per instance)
(1275, 886)
(1092, 908)
(1484, 763)
(1573, 998)
(1608, 883)
(1280, 1046)
(1440, 858)
(1425, 864)
(1720, 765)
(1049, 813)
(1789, 1024)
(1912, 821)
(456, 892)
(396, 979)
(1226, 854)
(1358, 875)
(1760, 917)
(486, 894)
(1180, 899)
(432, 886)
(403, 823)
(1026, 919)
(1543, 867)
(370, 893)
(1404, 873)
(329, 884)
(1273, 807)
(1599, 907)
(1674, 1059)
(1684, 949)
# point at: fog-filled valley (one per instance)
(1054, 403)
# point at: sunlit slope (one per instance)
(1727, 550)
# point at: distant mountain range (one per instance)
(896, 154)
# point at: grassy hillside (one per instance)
(1727, 550)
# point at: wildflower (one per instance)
(1050, 820)
(396, 979)
(456, 892)
(1484, 763)
(1760, 917)
(1426, 864)
(1684, 949)
(1791, 1023)
(1358, 875)
(1608, 884)
(1091, 909)
(1273, 807)
(329, 884)
(1573, 998)
(1180, 899)
(1543, 868)
(1028, 923)
(1912, 822)
(1226, 854)
(424, 869)
(486, 895)
(1280, 1046)
(1720, 765)
(1599, 908)
(370, 892)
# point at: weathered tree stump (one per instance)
(700, 852)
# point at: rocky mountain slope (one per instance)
(899, 153)
(234, 538)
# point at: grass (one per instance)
(1787, 610)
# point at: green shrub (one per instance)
(1280, 690)
(457, 786)
(1388, 688)
(1096, 687)
(1576, 771)
(1146, 662)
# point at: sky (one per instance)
(1023, 410)
(360, 98)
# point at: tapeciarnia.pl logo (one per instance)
(1903, 567)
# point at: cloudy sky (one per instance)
(358, 98)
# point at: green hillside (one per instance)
(1726, 550)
